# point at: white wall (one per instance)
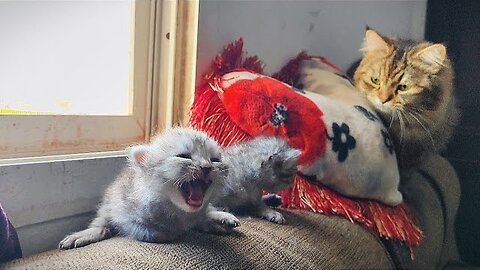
(45, 201)
(276, 30)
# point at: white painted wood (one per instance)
(164, 65)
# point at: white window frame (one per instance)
(162, 87)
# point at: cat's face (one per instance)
(182, 165)
(397, 75)
(279, 170)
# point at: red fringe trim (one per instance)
(232, 57)
(290, 74)
(208, 114)
(385, 221)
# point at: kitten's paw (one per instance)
(83, 238)
(272, 215)
(223, 218)
(272, 200)
(213, 228)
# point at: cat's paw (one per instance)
(272, 200)
(272, 215)
(213, 228)
(219, 222)
(223, 218)
(83, 238)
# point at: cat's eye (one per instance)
(402, 87)
(375, 80)
(185, 156)
(214, 159)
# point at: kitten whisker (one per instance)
(177, 181)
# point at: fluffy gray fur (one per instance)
(146, 202)
(422, 116)
(264, 163)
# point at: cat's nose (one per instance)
(206, 170)
(385, 97)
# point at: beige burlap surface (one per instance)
(308, 241)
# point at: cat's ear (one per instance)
(138, 155)
(292, 155)
(287, 159)
(374, 41)
(434, 56)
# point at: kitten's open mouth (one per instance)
(193, 191)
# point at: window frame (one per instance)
(161, 85)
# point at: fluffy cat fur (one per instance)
(164, 192)
(410, 85)
(263, 163)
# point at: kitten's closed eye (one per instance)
(270, 159)
(215, 159)
(185, 156)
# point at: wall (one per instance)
(45, 201)
(461, 32)
(277, 30)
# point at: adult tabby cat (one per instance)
(410, 85)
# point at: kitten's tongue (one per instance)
(193, 193)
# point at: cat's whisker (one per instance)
(402, 126)
(424, 128)
(391, 122)
(177, 181)
(404, 116)
(421, 117)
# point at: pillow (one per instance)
(242, 119)
(360, 161)
(343, 142)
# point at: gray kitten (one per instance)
(263, 163)
(163, 193)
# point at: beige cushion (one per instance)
(308, 241)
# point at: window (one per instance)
(92, 76)
(56, 55)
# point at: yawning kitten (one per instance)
(164, 192)
(263, 163)
(410, 84)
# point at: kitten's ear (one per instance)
(137, 155)
(287, 159)
(292, 154)
(374, 41)
(433, 55)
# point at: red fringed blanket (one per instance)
(259, 106)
